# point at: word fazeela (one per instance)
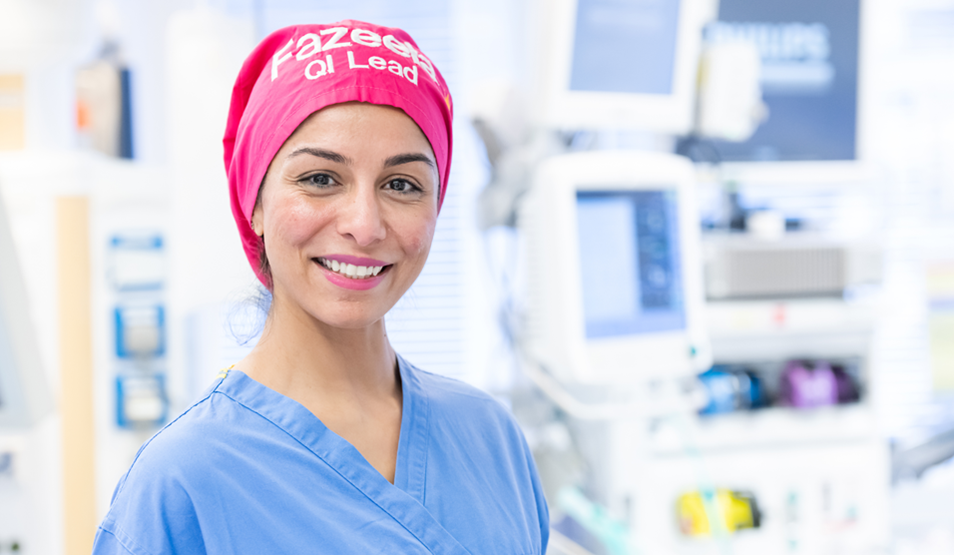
(311, 44)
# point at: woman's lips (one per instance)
(343, 272)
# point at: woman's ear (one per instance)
(258, 226)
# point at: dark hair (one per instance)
(263, 266)
(247, 317)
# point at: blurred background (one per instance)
(704, 250)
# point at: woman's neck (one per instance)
(346, 377)
(306, 359)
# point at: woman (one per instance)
(323, 440)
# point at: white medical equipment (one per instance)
(619, 65)
(24, 396)
(613, 270)
(729, 104)
(137, 268)
(794, 265)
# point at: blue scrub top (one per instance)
(248, 470)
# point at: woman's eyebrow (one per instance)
(399, 159)
(322, 153)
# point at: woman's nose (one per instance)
(361, 217)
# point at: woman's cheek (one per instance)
(420, 238)
(297, 221)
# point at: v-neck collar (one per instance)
(403, 500)
(299, 422)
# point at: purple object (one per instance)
(804, 387)
(847, 388)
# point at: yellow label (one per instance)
(224, 373)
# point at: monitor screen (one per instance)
(625, 46)
(630, 262)
(809, 51)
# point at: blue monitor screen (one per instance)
(630, 262)
(809, 79)
(625, 46)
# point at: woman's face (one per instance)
(348, 212)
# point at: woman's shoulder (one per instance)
(478, 457)
(159, 486)
(186, 451)
(454, 394)
(454, 404)
(186, 439)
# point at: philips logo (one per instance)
(795, 56)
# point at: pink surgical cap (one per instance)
(299, 70)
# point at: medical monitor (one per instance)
(24, 396)
(811, 75)
(615, 64)
(613, 274)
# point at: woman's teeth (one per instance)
(350, 270)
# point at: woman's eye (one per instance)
(320, 180)
(402, 186)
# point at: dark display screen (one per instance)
(809, 54)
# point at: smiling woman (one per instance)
(356, 185)
(323, 439)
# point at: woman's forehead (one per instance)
(369, 127)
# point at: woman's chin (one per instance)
(349, 318)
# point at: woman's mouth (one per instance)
(351, 271)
